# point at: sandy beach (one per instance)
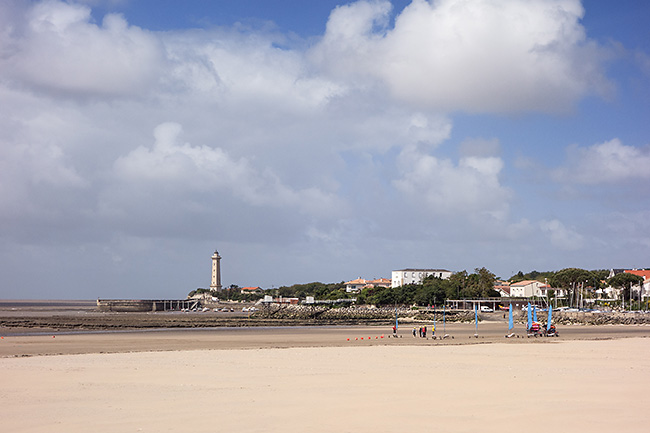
(315, 379)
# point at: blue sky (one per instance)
(317, 141)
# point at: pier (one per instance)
(145, 305)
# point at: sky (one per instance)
(317, 141)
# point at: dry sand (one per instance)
(315, 380)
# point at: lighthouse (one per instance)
(216, 271)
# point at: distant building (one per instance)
(245, 290)
(403, 277)
(644, 288)
(525, 289)
(503, 287)
(614, 293)
(355, 286)
(530, 288)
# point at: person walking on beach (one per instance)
(433, 331)
(424, 332)
(414, 332)
(394, 330)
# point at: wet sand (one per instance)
(223, 338)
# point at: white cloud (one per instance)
(470, 187)
(606, 162)
(475, 55)
(57, 48)
(201, 168)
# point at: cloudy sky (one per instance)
(317, 141)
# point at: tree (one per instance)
(457, 285)
(433, 291)
(517, 278)
(571, 278)
(486, 281)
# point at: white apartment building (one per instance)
(403, 277)
(528, 289)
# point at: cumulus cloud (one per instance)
(477, 56)
(607, 162)
(55, 46)
(469, 187)
(169, 163)
(241, 67)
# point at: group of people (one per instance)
(422, 331)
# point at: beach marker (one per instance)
(348, 339)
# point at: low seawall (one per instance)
(613, 318)
(144, 305)
(360, 314)
(357, 314)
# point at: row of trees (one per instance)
(576, 279)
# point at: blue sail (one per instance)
(476, 317)
(530, 318)
(534, 313)
(396, 324)
(550, 315)
(444, 319)
(510, 321)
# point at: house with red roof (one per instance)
(503, 287)
(355, 286)
(245, 290)
(645, 287)
(530, 288)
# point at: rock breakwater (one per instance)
(358, 314)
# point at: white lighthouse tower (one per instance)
(216, 271)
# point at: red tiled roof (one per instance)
(357, 281)
(525, 283)
(380, 281)
(645, 274)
